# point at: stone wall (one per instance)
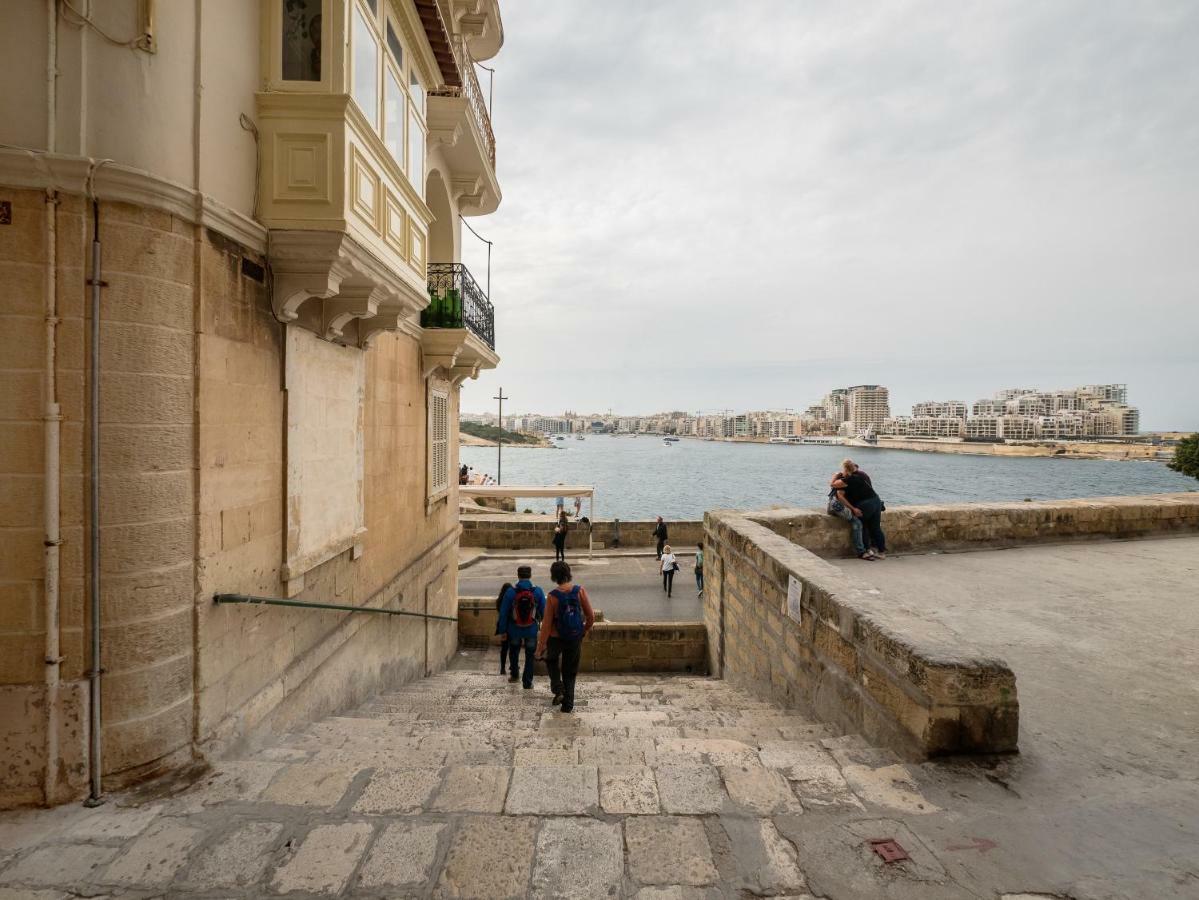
(611, 647)
(841, 652)
(981, 526)
(193, 456)
(536, 532)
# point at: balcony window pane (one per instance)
(416, 153)
(393, 116)
(374, 5)
(393, 44)
(418, 94)
(366, 68)
(302, 40)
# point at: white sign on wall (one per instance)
(794, 598)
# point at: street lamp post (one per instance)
(499, 439)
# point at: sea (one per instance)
(640, 477)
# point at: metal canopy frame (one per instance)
(528, 490)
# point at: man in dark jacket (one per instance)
(521, 611)
(661, 535)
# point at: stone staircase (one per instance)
(463, 785)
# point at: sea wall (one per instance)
(534, 532)
(793, 629)
(981, 526)
(680, 647)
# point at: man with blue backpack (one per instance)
(521, 609)
(568, 618)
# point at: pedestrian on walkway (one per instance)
(499, 626)
(521, 611)
(661, 535)
(667, 566)
(569, 618)
(560, 538)
(699, 569)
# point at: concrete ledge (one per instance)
(611, 647)
(853, 659)
(522, 531)
(981, 526)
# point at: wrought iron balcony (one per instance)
(473, 94)
(457, 301)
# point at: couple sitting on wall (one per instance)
(851, 497)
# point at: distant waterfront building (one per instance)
(940, 409)
(979, 428)
(869, 406)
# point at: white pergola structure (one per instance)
(559, 490)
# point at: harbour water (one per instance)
(638, 478)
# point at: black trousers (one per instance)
(560, 550)
(562, 662)
(503, 654)
(872, 523)
(661, 544)
(668, 581)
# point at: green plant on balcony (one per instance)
(444, 309)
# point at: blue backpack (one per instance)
(571, 623)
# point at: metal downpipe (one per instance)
(97, 787)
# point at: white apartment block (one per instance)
(940, 409)
(984, 427)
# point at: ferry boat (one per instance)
(864, 438)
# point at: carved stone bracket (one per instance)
(347, 280)
(460, 373)
(457, 352)
(355, 301)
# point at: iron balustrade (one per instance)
(473, 93)
(457, 301)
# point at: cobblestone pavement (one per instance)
(465, 786)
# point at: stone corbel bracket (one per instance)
(457, 352)
(350, 283)
(468, 192)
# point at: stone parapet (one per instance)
(843, 652)
(535, 532)
(983, 526)
(612, 646)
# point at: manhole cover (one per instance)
(889, 850)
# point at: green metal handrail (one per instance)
(306, 604)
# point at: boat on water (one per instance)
(558, 437)
(864, 438)
(580, 437)
(668, 441)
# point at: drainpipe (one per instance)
(52, 417)
(51, 483)
(94, 525)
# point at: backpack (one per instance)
(570, 621)
(835, 507)
(524, 607)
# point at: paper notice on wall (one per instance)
(794, 598)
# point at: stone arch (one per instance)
(443, 233)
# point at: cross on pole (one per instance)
(499, 439)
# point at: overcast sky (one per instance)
(714, 205)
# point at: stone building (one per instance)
(262, 201)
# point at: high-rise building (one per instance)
(869, 406)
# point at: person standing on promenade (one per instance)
(559, 505)
(856, 493)
(522, 608)
(661, 534)
(560, 538)
(667, 566)
(578, 506)
(569, 618)
(500, 629)
(699, 569)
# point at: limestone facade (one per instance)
(259, 433)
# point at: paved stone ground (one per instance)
(463, 786)
(626, 588)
